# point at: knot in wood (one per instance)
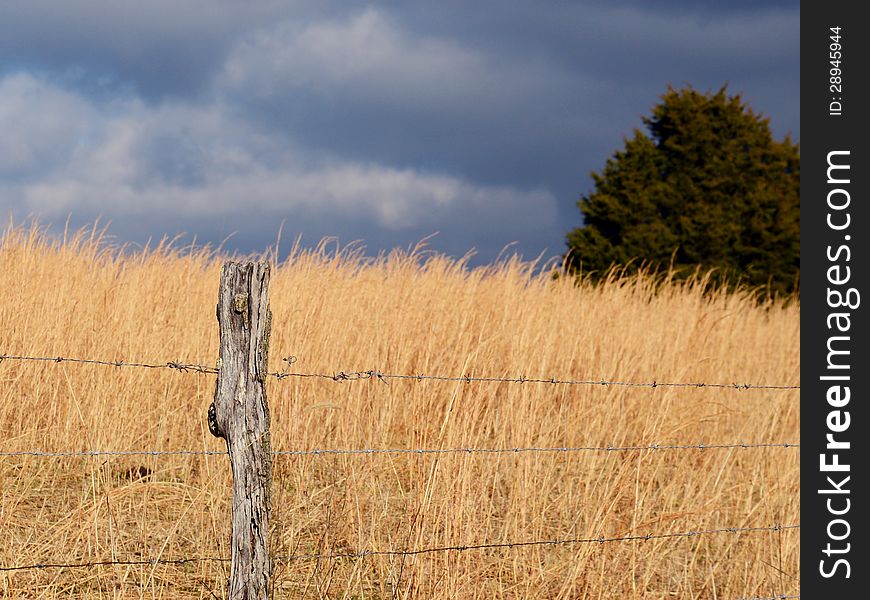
(240, 305)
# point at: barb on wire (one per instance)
(342, 376)
(416, 552)
(290, 360)
(363, 451)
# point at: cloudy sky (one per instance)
(383, 121)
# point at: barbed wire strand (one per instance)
(180, 366)
(106, 563)
(342, 376)
(554, 542)
(370, 553)
(780, 597)
(342, 451)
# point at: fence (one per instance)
(341, 376)
(367, 553)
(245, 320)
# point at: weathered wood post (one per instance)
(240, 415)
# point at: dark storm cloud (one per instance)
(157, 49)
(384, 122)
(368, 88)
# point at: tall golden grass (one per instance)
(408, 312)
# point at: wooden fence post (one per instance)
(240, 415)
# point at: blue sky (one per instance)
(383, 122)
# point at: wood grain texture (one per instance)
(240, 415)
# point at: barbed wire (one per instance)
(342, 376)
(340, 451)
(177, 365)
(553, 542)
(533, 449)
(385, 377)
(105, 563)
(94, 453)
(416, 552)
(780, 597)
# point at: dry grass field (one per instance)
(404, 313)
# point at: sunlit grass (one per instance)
(408, 312)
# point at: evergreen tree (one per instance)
(708, 187)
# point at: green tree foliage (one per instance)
(709, 187)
